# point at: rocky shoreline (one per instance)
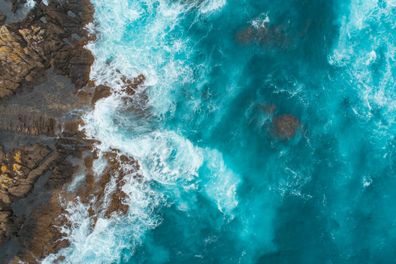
(44, 81)
(44, 90)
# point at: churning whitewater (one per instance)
(264, 132)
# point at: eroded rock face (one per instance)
(285, 126)
(26, 120)
(17, 61)
(52, 37)
(36, 231)
(130, 86)
(118, 168)
(19, 169)
(101, 91)
(48, 37)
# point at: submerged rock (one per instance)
(285, 126)
(264, 34)
(130, 86)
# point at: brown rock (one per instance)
(26, 120)
(285, 126)
(265, 34)
(6, 226)
(130, 86)
(29, 47)
(17, 61)
(50, 36)
(20, 169)
(246, 35)
(5, 199)
(20, 190)
(32, 156)
(101, 91)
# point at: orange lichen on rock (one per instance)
(17, 156)
(4, 168)
(5, 181)
(16, 167)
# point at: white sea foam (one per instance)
(222, 185)
(209, 6)
(366, 39)
(30, 4)
(261, 22)
(166, 158)
(148, 50)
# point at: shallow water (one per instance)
(221, 186)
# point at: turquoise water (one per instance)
(221, 186)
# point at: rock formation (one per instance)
(44, 79)
(48, 43)
(51, 36)
(265, 34)
(20, 169)
(285, 126)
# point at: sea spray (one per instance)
(219, 184)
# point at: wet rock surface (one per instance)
(43, 68)
(44, 89)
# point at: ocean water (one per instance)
(219, 185)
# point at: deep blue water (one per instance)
(224, 187)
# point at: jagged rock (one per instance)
(50, 36)
(118, 168)
(28, 48)
(121, 167)
(17, 61)
(21, 167)
(27, 121)
(130, 86)
(32, 156)
(20, 190)
(5, 200)
(101, 91)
